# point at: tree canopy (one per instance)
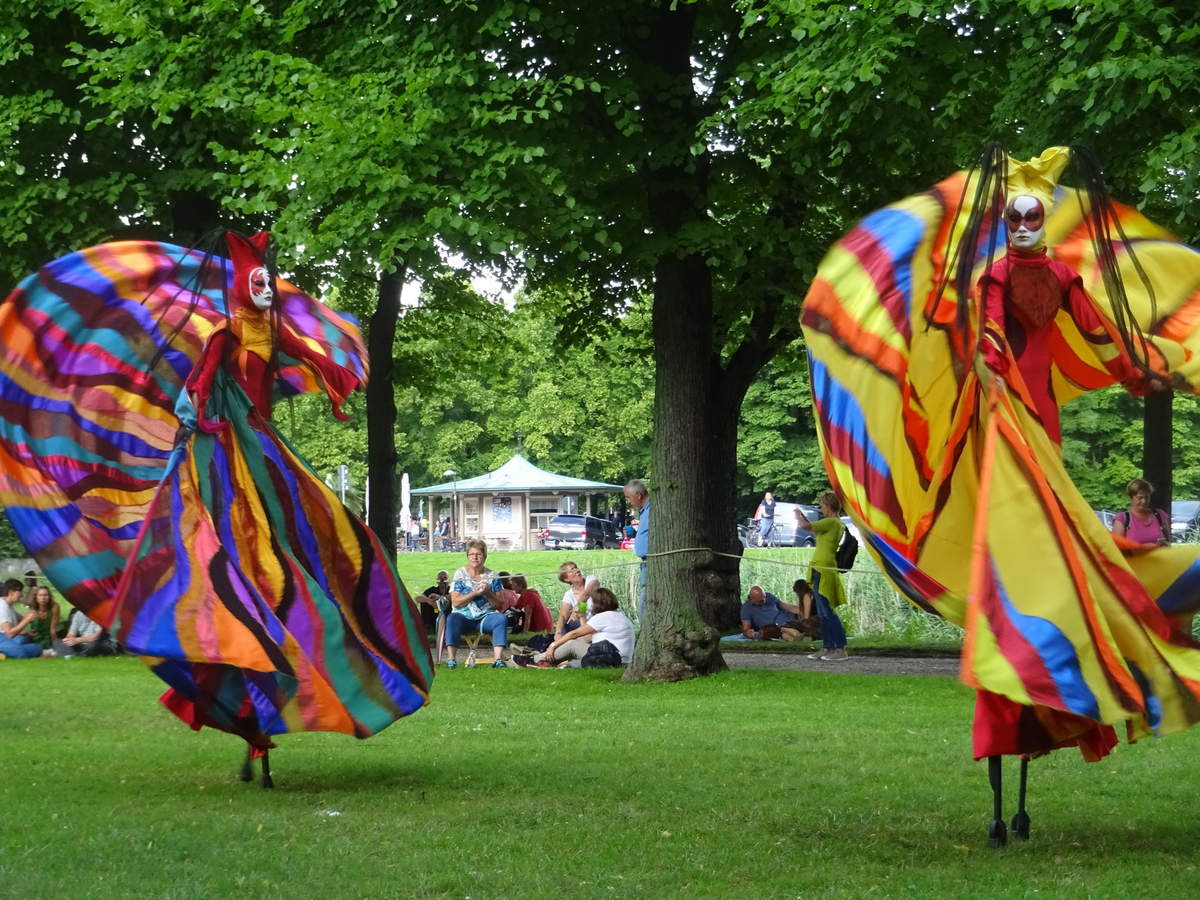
(662, 176)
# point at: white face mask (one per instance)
(1026, 221)
(261, 294)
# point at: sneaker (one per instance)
(498, 664)
(836, 656)
(451, 664)
(820, 654)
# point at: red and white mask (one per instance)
(1025, 218)
(259, 288)
(251, 279)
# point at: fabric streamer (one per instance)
(200, 538)
(955, 477)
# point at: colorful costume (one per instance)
(937, 406)
(139, 466)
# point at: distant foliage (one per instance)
(1102, 445)
(10, 545)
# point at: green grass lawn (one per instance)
(519, 783)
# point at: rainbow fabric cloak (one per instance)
(960, 491)
(219, 557)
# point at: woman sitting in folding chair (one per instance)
(474, 606)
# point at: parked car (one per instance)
(579, 532)
(1185, 520)
(785, 527)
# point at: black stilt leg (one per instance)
(1020, 822)
(997, 833)
(246, 774)
(268, 783)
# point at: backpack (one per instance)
(1126, 519)
(846, 552)
(601, 655)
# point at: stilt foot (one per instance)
(246, 774)
(266, 775)
(997, 834)
(1020, 826)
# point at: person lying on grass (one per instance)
(605, 640)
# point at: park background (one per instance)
(653, 185)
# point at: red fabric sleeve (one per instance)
(339, 381)
(200, 381)
(993, 346)
(1088, 318)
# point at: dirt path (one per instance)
(855, 665)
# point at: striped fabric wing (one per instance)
(962, 496)
(223, 558)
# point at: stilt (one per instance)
(268, 783)
(246, 774)
(1020, 822)
(997, 833)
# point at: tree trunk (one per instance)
(692, 458)
(381, 408)
(1157, 464)
(675, 642)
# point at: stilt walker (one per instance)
(943, 333)
(139, 465)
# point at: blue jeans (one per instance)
(457, 625)
(833, 635)
(20, 647)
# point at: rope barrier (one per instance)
(711, 552)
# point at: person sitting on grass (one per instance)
(809, 625)
(765, 616)
(15, 641)
(44, 627)
(85, 638)
(576, 601)
(529, 601)
(430, 600)
(605, 640)
(473, 599)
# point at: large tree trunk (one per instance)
(675, 642)
(381, 409)
(692, 458)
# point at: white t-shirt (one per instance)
(614, 626)
(81, 625)
(569, 596)
(8, 615)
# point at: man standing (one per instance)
(639, 498)
(766, 520)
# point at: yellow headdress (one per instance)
(1038, 176)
